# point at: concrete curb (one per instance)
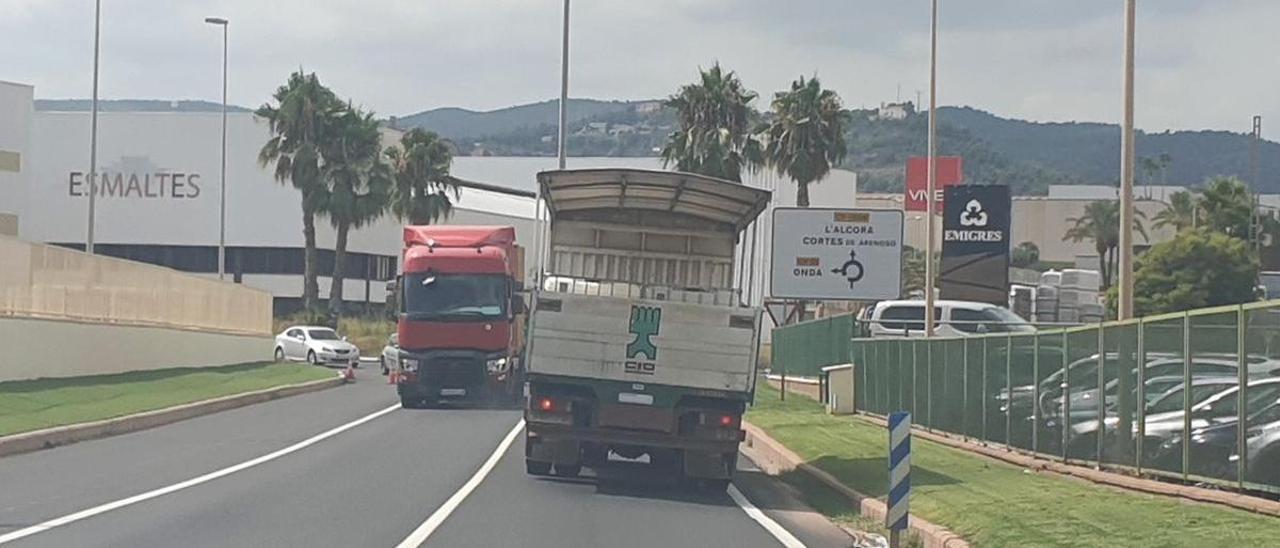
(1226, 498)
(774, 458)
(27, 442)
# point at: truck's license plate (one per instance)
(641, 399)
(453, 391)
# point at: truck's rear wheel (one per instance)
(568, 470)
(537, 468)
(714, 485)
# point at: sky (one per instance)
(1201, 64)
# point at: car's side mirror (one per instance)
(518, 305)
(344, 338)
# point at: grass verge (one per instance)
(991, 503)
(45, 403)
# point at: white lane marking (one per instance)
(102, 509)
(424, 531)
(779, 532)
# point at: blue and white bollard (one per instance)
(899, 475)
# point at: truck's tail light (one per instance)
(719, 420)
(546, 409)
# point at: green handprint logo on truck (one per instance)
(645, 324)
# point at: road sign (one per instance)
(836, 254)
(899, 472)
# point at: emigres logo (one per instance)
(973, 216)
(136, 177)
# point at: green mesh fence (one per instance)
(1191, 396)
(803, 349)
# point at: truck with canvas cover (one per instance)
(461, 321)
(640, 344)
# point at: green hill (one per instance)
(459, 123)
(1091, 151)
(132, 105)
(1028, 156)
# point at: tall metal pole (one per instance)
(1255, 219)
(93, 131)
(1125, 281)
(222, 202)
(564, 86)
(222, 199)
(931, 189)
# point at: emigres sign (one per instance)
(119, 184)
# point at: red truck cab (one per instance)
(461, 317)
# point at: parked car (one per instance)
(952, 319)
(315, 345)
(390, 354)
(1214, 451)
(1214, 403)
(1212, 421)
(1162, 414)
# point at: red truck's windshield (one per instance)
(455, 297)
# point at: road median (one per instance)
(47, 413)
(994, 503)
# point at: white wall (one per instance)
(39, 348)
(261, 212)
(15, 129)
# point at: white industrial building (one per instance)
(159, 199)
(158, 202)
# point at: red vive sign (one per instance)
(950, 173)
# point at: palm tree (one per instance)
(359, 186)
(420, 165)
(806, 136)
(1228, 206)
(714, 118)
(298, 122)
(1181, 213)
(1101, 224)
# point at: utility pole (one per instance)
(222, 190)
(931, 189)
(1127, 152)
(93, 131)
(1255, 216)
(564, 86)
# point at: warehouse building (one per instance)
(159, 196)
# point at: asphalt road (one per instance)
(346, 467)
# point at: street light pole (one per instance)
(564, 86)
(1125, 281)
(932, 186)
(222, 191)
(93, 131)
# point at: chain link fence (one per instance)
(1190, 396)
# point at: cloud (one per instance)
(1200, 64)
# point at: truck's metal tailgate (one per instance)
(697, 346)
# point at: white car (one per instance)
(316, 345)
(953, 319)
